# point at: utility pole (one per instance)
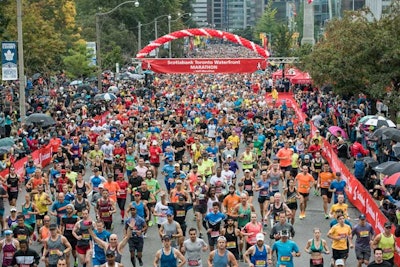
(21, 70)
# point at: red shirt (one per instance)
(154, 153)
(119, 151)
(123, 186)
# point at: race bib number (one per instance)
(53, 251)
(387, 250)
(79, 213)
(14, 189)
(8, 255)
(231, 244)
(285, 258)
(27, 216)
(263, 193)
(171, 180)
(214, 233)
(180, 213)
(193, 262)
(260, 263)
(105, 214)
(248, 187)
(24, 265)
(22, 237)
(86, 236)
(364, 233)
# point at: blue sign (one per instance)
(9, 67)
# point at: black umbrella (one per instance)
(370, 161)
(4, 150)
(388, 168)
(40, 119)
(392, 134)
(379, 132)
(396, 149)
(36, 76)
(7, 142)
(84, 87)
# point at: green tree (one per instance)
(77, 63)
(283, 41)
(358, 55)
(112, 57)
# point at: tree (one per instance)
(267, 23)
(358, 55)
(77, 63)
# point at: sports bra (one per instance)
(314, 249)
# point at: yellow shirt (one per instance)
(339, 206)
(234, 140)
(340, 231)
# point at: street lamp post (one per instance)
(169, 31)
(98, 39)
(22, 112)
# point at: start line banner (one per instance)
(204, 65)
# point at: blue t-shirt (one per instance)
(139, 224)
(339, 186)
(169, 171)
(99, 251)
(284, 252)
(96, 181)
(214, 218)
(265, 187)
(60, 209)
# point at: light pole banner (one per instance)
(205, 65)
(91, 49)
(9, 67)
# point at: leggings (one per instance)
(121, 204)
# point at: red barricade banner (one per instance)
(205, 65)
(19, 167)
(45, 156)
(356, 193)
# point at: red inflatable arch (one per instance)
(202, 32)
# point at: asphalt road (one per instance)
(303, 228)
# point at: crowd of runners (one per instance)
(214, 145)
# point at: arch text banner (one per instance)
(205, 65)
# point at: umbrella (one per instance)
(301, 78)
(84, 87)
(393, 179)
(113, 89)
(7, 142)
(76, 82)
(388, 167)
(370, 161)
(396, 149)
(379, 121)
(36, 76)
(334, 129)
(365, 118)
(105, 96)
(378, 133)
(4, 150)
(40, 119)
(392, 134)
(148, 72)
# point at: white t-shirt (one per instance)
(161, 209)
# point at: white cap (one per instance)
(13, 209)
(260, 236)
(339, 262)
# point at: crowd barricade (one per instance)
(356, 192)
(43, 155)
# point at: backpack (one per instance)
(359, 169)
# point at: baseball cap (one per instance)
(178, 181)
(306, 157)
(101, 186)
(339, 262)
(388, 224)
(359, 155)
(53, 226)
(170, 213)
(260, 236)
(166, 237)
(13, 209)
(137, 193)
(362, 217)
(317, 131)
(247, 170)
(229, 156)
(177, 165)
(110, 253)
(8, 232)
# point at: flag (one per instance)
(309, 1)
(191, 43)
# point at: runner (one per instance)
(67, 226)
(13, 183)
(99, 256)
(25, 256)
(325, 178)
(105, 209)
(263, 187)
(168, 256)
(341, 239)
(173, 229)
(212, 222)
(285, 250)
(316, 247)
(304, 183)
(258, 255)
(9, 246)
(282, 225)
(55, 247)
(138, 226)
(192, 249)
(290, 197)
(81, 233)
(364, 238)
(233, 236)
(386, 241)
(221, 257)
